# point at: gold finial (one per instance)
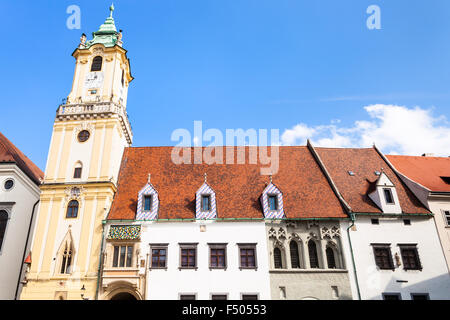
(205, 177)
(111, 8)
(149, 178)
(270, 178)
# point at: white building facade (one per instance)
(19, 195)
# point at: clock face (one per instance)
(93, 80)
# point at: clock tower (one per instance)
(90, 132)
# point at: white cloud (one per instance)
(394, 129)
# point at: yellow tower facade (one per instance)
(90, 133)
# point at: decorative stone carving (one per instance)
(329, 233)
(84, 126)
(124, 232)
(281, 233)
(311, 223)
(272, 233)
(98, 51)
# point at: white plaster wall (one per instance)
(437, 206)
(434, 277)
(168, 284)
(25, 194)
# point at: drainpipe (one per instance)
(100, 260)
(352, 217)
(25, 250)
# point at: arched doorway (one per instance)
(123, 296)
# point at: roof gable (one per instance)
(9, 153)
(426, 171)
(355, 189)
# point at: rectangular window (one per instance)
(147, 203)
(77, 173)
(392, 296)
(159, 257)
(273, 202)
(375, 221)
(420, 296)
(447, 217)
(383, 256)
(187, 296)
(217, 256)
(247, 256)
(188, 256)
(249, 297)
(219, 297)
(206, 203)
(388, 196)
(410, 257)
(122, 256)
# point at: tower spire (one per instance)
(111, 8)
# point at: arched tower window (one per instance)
(313, 259)
(277, 258)
(72, 209)
(97, 63)
(331, 261)
(123, 74)
(295, 261)
(77, 171)
(66, 257)
(3, 222)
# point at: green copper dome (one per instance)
(107, 33)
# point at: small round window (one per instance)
(83, 136)
(9, 184)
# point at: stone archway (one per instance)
(123, 296)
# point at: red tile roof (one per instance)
(238, 187)
(425, 170)
(9, 153)
(354, 189)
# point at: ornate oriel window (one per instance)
(313, 258)
(3, 222)
(122, 256)
(72, 209)
(97, 63)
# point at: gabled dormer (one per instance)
(384, 194)
(272, 202)
(205, 202)
(148, 202)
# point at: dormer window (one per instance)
(388, 196)
(384, 194)
(272, 202)
(205, 204)
(148, 203)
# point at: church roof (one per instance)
(431, 172)
(237, 187)
(9, 153)
(365, 165)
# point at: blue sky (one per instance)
(292, 65)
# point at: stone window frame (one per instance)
(218, 246)
(410, 246)
(111, 243)
(121, 244)
(226, 294)
(248, 246)
(446, 216)
(385, 246)
(158, 246)
(188, 246)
